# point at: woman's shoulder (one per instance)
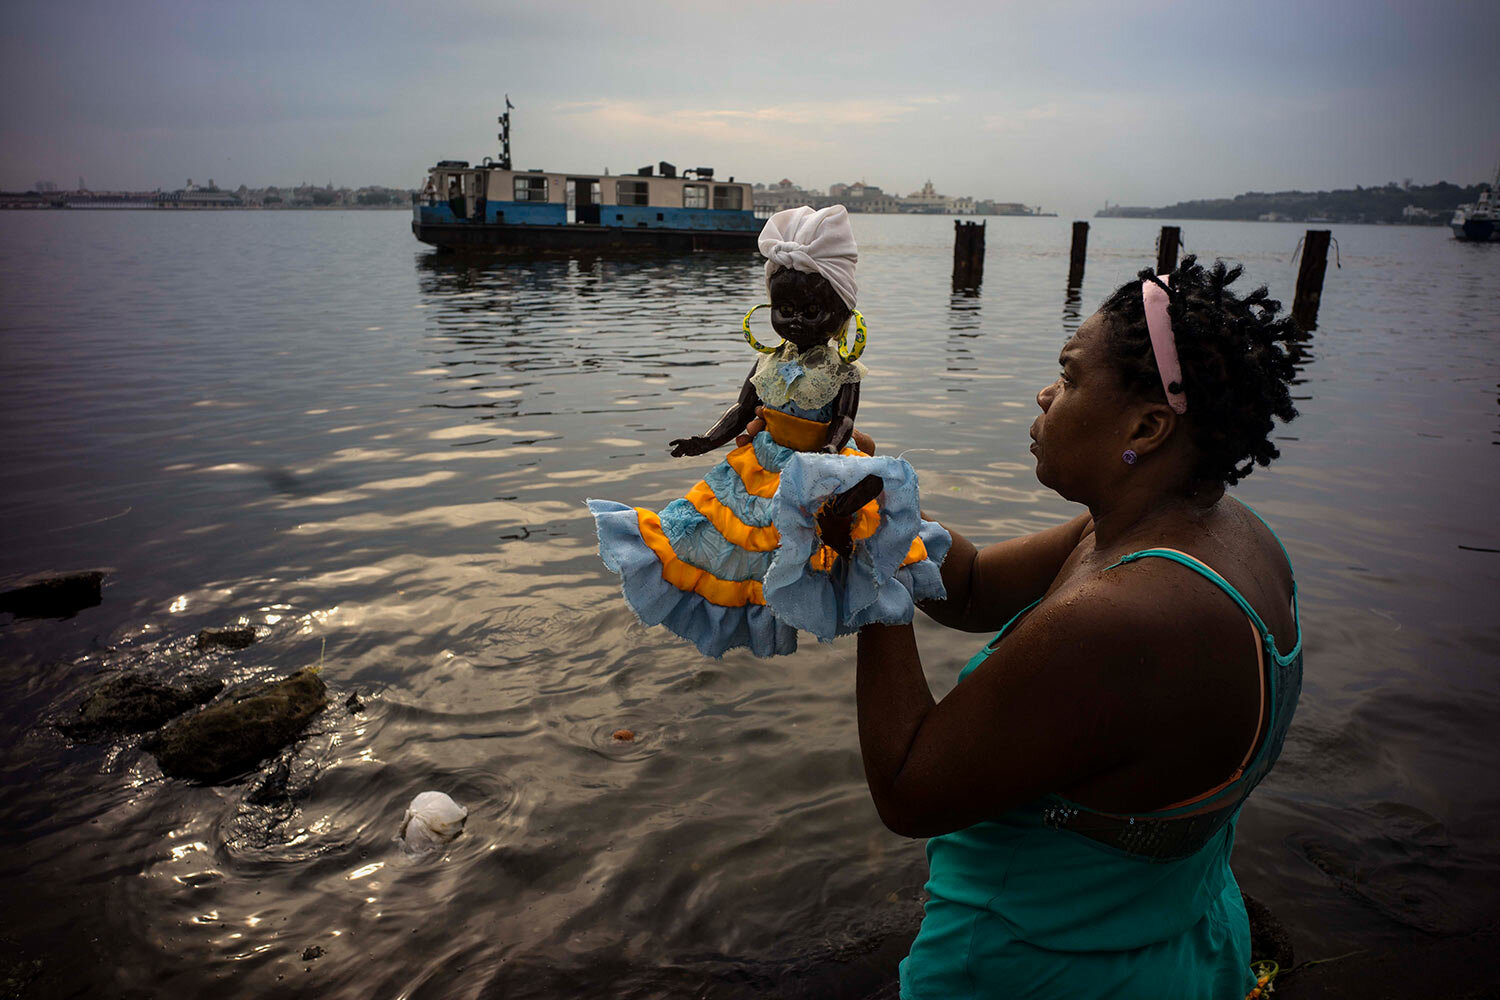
(1201, 570)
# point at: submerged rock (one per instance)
(135, 703)
(250, 723)
(236, 637)
(432, 820)
(17, 974)
(54, 595)
(274, 787)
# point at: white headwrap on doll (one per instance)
(816, 241)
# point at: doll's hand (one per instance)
(695, 445)
(858, 439)
(753, 428)
(836, 518)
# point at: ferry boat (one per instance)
(490, 206)
(1478, 222)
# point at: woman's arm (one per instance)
(989, 586)
(1052, 707)
(1128, 689)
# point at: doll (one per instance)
(794, 530)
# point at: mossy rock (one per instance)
(233, 735)
(234, 637)
(135, 703)
(54, 595)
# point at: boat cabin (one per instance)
(456, 193)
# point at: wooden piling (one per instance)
(1310, 278)
(1080, 250)
(1166, 249)
(968, 254)
(1072, 314)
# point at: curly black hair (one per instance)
(1237, 360)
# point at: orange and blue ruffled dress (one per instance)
(738, 561)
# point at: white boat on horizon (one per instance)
(1477, 223)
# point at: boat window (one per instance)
(632, 193)
(531, 188)
(695, 196)
(730, 196)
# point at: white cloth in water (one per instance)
(818, 241)
(432, 819)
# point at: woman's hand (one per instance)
(753, 428)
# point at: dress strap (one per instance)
(989, 647)
(1265, 642)
(1006, 627)
(1260, 723)
(1206, 571)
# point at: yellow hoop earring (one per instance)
(861, 335)
(750, 337)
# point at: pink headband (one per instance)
(1162, 343)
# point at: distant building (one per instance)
(926, 201)
(193, 196)
(929, 201)
(862, 197)
(870, 199)
(988, 207)
(782, 195)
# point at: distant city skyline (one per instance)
(1063, 105)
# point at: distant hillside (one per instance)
(1430, 204)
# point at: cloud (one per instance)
(662, 116)
(1007, 99)
(1013, 121)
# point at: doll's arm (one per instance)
(834, 519)
(841, 427)
(731, 423)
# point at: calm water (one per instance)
(309, 422)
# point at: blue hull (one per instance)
(507, 237)
(511, 225)
(1476, 230)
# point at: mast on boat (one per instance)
(504, 136)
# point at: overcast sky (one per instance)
(1059, 103)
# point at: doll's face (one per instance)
(805, 308)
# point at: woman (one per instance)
(1080, 784)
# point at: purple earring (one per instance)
(1130, 456)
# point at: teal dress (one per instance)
(1053, 899)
